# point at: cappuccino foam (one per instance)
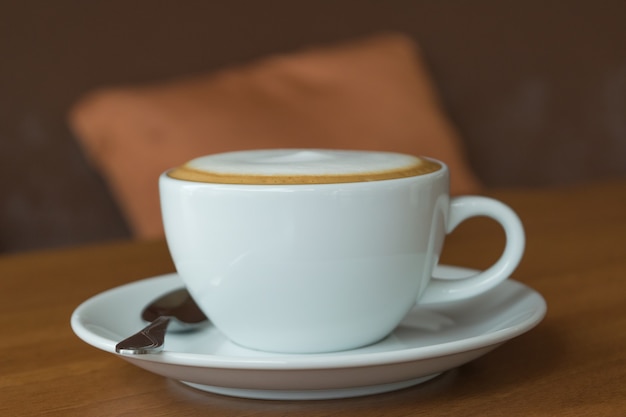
(302, 166)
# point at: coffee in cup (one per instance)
(312, 250)
(302, 167)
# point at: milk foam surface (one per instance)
(302, 166)
(302, 162)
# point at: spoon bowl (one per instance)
(175, 311)
(179, 306)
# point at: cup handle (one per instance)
(462, 208)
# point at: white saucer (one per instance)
(429, 341)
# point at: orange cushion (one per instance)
(372, 94)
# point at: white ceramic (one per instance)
(320, 267)
(429, 340)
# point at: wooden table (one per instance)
(572, 364)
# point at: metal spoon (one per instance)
(176, 309)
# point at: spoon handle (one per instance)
(148, 340)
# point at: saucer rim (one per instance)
(334, 360)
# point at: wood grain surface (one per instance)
(572, 364)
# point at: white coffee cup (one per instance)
(305, 251)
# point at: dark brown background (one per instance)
(537, 88)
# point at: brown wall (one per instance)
(537, 88)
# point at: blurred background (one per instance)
(537, 89)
